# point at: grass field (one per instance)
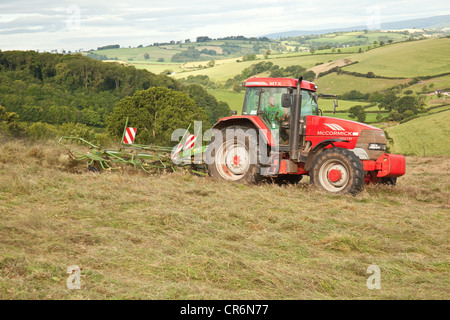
(137, 54)
(432, 84)
(338, 84)
(370, 117)
(234, 99)
(431, 132)
(327, 104)
(405, 59)
(224, 71)
(177, 236)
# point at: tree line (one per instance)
(57, 89)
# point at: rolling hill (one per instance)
(424, 136)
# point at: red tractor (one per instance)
(281, 136)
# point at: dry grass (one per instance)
(177, 236)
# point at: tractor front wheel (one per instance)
(337, 170)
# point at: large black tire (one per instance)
(337, 170)
(234, 157)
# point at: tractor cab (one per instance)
(274, 99)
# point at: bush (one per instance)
(237, 88)
(358, 113)
(77, 130)
(249, 57)
(41, 130)
(394, 115)
(156, 113)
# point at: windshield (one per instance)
(272, 97)
(309, 103)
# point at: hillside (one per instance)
(407, 59)
(177, 236)
(427, 135)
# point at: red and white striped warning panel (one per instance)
(130, 133)
(190, 141)
(177, 151)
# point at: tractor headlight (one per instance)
(377, 146)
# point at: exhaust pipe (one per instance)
(295, 121)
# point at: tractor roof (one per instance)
(279, 82)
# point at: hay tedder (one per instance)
(280, 136)
(146, 157)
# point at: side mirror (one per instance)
(286, 101)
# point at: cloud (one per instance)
(46, 25)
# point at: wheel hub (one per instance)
(334, 175)
(236, 159)
(232, 160)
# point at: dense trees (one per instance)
(70, 94)
(358, 113)
(57, 88)
(112, 46)
(208, 103)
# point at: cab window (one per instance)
(268, 95)
(309, 104)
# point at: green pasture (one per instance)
(234, 99)
(427, 134)
(406, 59)
(337, 84)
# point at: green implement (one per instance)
(147, 157)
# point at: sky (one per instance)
(46, 25)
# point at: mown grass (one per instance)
(178, 236)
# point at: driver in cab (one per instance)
(274, 114)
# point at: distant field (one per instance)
(370, 117)
(234, 99)
(406, 59)
(224, 71)
(369, 38)
(432, 84)
(137, 54)
(338, 84)
(158, 67)
(431, 132)
(327, 104)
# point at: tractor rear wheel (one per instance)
(233, 155)
(337, 170)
